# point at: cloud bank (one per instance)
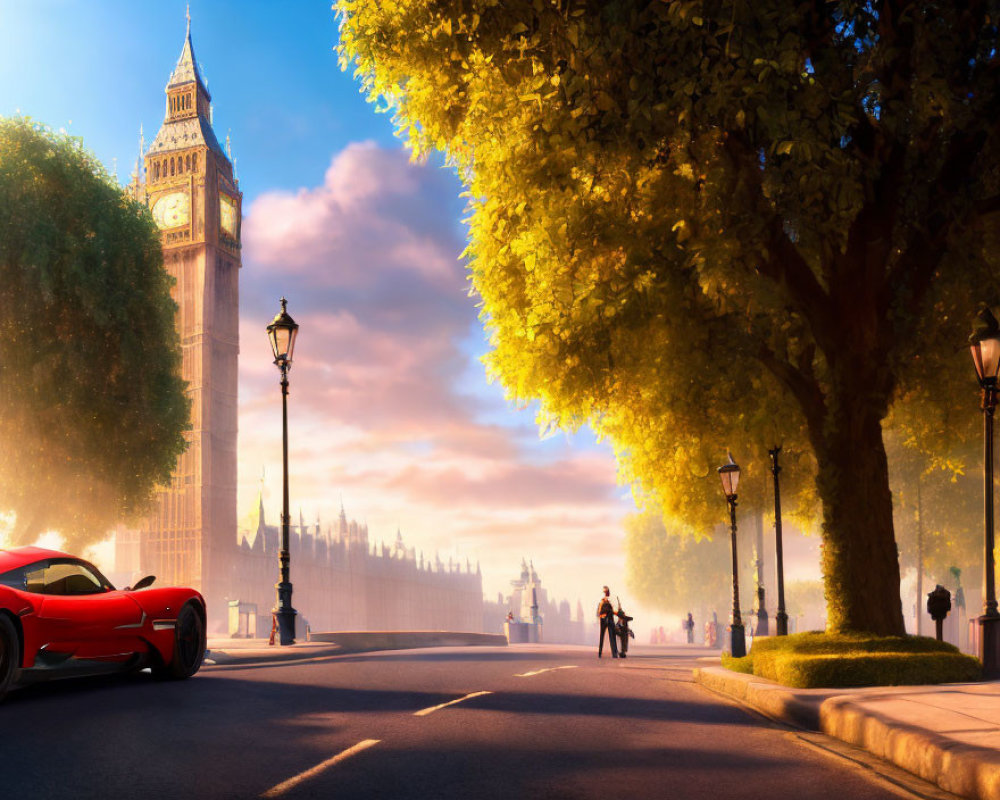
(389, 408)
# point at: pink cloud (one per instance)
(382, 406)
(578, 481)
(349, 231)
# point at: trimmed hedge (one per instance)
(818, 660)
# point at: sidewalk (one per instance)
(257, 651)
(949, 735)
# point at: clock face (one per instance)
(172, 210)
(227, 214)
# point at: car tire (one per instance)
(189, 646)
(10, 649)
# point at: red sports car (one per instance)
(60, 617)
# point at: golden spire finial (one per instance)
(187, 14)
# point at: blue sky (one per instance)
(394, 414)
(99, 69)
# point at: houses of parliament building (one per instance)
(191, 538)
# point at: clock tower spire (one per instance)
(190, 537)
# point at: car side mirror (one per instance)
(142, 583)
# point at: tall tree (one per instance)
(677, 573)
(92, 406)
(691, 218)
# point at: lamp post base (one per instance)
(286, 625)
(737, 640)
(781, 623)
(989, 646)
(284, 613)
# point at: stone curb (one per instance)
(361, 641)
(338, 643)
(768, 698)
(959, 768)
(247, 656)
(956, 767)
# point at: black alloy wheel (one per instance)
(189, 645)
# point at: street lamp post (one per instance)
(781, 618)
(282, 332)
(985, 345)
(730, 475)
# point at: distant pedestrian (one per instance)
(606, 615)
(689, 627)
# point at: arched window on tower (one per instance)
(187, 162)
(180, 165)
(194, 162)
(171, 166)
(156, 170)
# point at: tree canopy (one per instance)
(676, 573)
(92, 405)
(701, 225)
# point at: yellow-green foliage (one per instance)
(818, 660)
(698, 225)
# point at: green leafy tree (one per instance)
(92, 406)
(693, 220)
(677, 573)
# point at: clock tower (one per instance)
(189, 539)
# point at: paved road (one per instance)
(534, 723)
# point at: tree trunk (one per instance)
(860, 559)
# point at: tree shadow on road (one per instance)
(220, 736)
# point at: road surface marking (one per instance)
(548, 669)
(291, 783)
(424, 712)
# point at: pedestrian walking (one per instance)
(689, 627)
(606, 615)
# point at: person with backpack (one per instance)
(606, 615)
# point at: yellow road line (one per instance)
(291, 783)
(548, 669)
(424, 712)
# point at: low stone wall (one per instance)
(362, 641)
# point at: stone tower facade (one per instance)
(187, 180)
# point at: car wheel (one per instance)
(9, 650)
(189, 646)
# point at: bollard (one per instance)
(938, 606)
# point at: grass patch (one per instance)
(819, 660)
